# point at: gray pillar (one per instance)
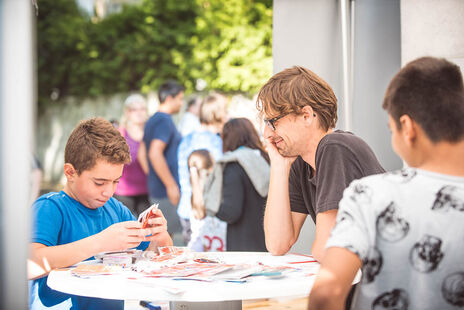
(17, 96)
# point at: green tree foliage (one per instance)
(233, 44)
(225, 43)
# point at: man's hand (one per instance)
(173, 194)
(276, 158)
(122, 236)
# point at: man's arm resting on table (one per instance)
(325, 221)
(159, 164)
(281, 225)
(334, 280)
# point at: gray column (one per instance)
(17, 96)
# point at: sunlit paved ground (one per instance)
(263, 304)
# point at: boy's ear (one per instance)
(408, 129)
(69, 172)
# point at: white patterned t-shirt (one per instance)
(407, 227)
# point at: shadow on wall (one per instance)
(59, 119)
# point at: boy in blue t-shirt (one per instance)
(83, 219)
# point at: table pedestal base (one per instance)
(218, 305)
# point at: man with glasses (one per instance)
(311, 163)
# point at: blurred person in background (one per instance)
(36, 178)
(190, 120)
(160, 142)
(237, 189)
(208, 232)
(132, 188)
(212, 114)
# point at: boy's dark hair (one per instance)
(169, 88)
(239, 132)
(431, 92)
(94, 139)
(292, 89)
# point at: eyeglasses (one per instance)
(271, 121)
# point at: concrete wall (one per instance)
(432, 28)
(308, 33)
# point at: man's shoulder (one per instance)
(159, 117)
(343, 138)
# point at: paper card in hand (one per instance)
(148, 214)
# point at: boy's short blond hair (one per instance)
(94, 139)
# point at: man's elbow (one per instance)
(278, 248)
(326, 297)
(317, 253)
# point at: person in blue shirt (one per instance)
(213, 115)
(84, 219)
(160, 142)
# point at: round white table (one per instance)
(190, 294)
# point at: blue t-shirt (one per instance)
(160, 126)
(59, 219)
(194, 141)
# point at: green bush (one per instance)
(225, 43)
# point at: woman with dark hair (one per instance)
(237, 189)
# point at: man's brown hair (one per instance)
(94, 139)
(294, 88)
(431, 92)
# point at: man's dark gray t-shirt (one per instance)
(341, 157)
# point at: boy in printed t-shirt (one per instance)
(405, 228)
(83, 219)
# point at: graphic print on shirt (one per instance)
(391, 227)
(449, 197)
(401, 176)
(372, 265)
(361, 194)
(397, 299)
(343, 216)
(452, 289)
(426, 254)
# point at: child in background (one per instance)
(208, 233)
(83, 219)
(405, 228)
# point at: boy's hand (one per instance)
(122, 236)
(156, 226)
(159, 232)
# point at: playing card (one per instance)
(147, 214)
